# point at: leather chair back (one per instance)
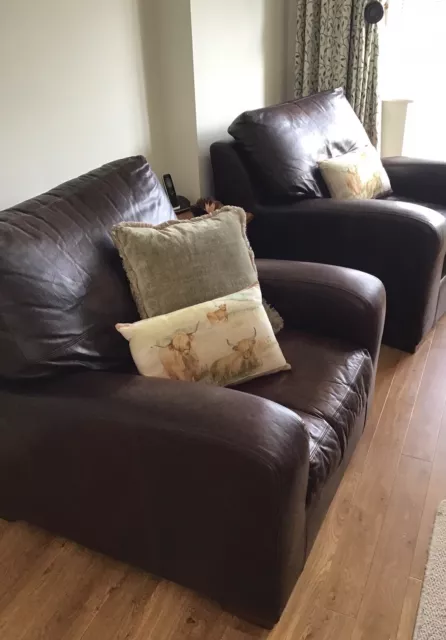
(63, 287)
(283, 144)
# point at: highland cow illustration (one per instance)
(242, 360)
(360, 189)
(219, 315)
(353, 180)
(178, 357)
(374, 186)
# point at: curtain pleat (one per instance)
(335, 47)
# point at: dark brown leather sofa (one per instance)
(270, 169)
(222, 490)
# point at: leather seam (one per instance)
(321, 437)
(328, 420)
(349, 390)
(60, 198)
(62, 348)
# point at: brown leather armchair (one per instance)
(222, 490)
(271, 169)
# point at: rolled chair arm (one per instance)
(201, 485)
(417, 178)
(328, 300)
(401, 244)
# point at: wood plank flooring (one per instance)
(362, 581)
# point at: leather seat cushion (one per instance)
(327, 386)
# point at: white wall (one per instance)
(72, 91)
(239, 50)
(177, 93)
(84, 82)
(393, 125)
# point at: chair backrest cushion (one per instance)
(62, 285)
(283, 144)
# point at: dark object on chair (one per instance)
(203, 206)
(222, 490)
(271, 169)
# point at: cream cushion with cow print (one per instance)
(224, 341)
(358, 175)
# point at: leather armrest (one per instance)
(381, 215)
(202, 485)
(417, 178)
(401, 244)
(332, 301)
(375, 236)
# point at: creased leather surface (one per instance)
(328, 388)
(62, 283)
(284, 143)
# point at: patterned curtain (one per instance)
(335, 47)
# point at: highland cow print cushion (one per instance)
(359, 175)
(223, 341)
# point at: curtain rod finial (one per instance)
(374, 12)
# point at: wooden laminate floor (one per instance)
(362, 580)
